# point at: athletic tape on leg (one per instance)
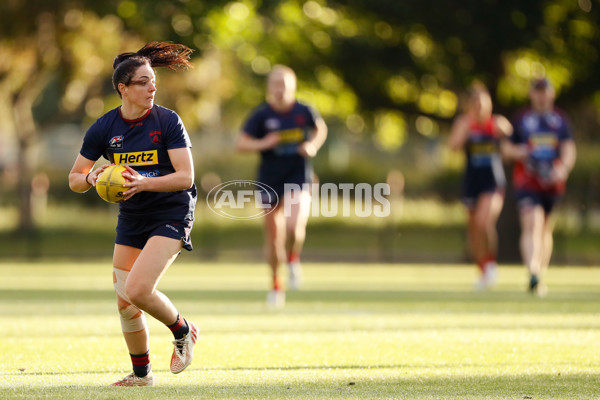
(132, 318)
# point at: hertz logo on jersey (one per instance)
(287, 136)
(482, 148)
(544, 140)
(149, 157)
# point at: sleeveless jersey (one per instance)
(142, 144)
(543, 134)
(483, 154)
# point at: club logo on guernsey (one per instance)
(149, 157)
(155, 137)
(116, 142)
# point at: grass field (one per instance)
(354, 332)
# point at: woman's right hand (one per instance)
(521, 152)
(270, 141)
(93, 175)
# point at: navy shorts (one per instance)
(528, 198)
(135, 232)
(276, 189)
(476, 184)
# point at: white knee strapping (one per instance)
(120, 278)
(132, 318)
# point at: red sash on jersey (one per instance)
(487, 127)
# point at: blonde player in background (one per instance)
(287, 134)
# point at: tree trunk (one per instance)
(27, 134)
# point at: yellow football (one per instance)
(109, 184)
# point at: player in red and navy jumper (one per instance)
(157, 210)
(544, 153)
(479, 132)
(287, 134)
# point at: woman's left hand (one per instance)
(559, 173)
(307, 149)
(135, 183)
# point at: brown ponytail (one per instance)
(167, 54)
(156, 54)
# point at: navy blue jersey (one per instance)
(142, 144)
(543, 134)
(482, 146)
(283, 164)
(484, 172)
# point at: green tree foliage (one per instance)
(53, 65)
(379, 70)
(363, 62)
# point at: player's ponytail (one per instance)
(156, 54)
(167, 54)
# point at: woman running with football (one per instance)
(479, 132)
(157, 210)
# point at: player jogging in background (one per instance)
(478, 132)
(157, 211)
(544, 153)
(287, 134)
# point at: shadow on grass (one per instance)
(366, 296)
(363, 383)
(343, 301)
(325, 241)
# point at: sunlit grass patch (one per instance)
(354, 331)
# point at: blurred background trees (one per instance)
(387, 76)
